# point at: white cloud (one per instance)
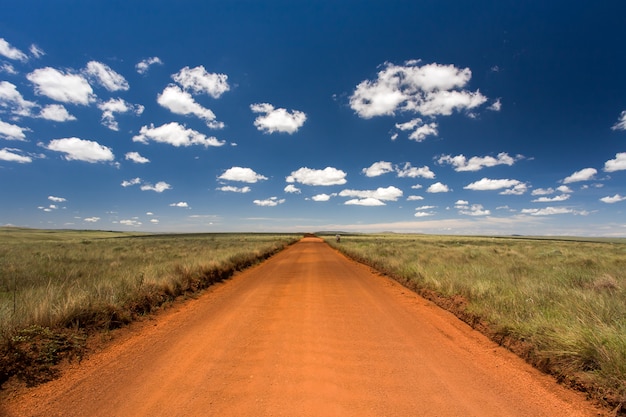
(176, 135)
(76, 149)
(56, 113)
(181, 204)
(369, 201)
(487, 184)
(91, 219)
(617, 164)
(105, 76)
(548, 211)
(621, 122)
(178, 101)
(130, 222)
(582, 175)
(136, 158)
(431, 89)
(420, 129)
(495, 106)
(11, 52)
(270, 202)
(474, 210)
(143, 66)
(159, 187)
(231, 189)
(326, 176)
(63, 87)
(13, 155)
(614, 199)
(564, 189)
(10, 131)
(390, 193)
(476, 163)
(518, 189)
(290, 188)
(414, 198)
(423, 214)
(438, 188)
(555, 199)
(128, 183)
(321, 197)
(422, 208)
(154, 221)
(199, 81)
(117, 105)
(8, 68)
(543, 191)
(378, 168)
(277, 120)
(56, 199)
(36, 51)
(241, 174)
(412, 172)
(417, 187)
(12, 99)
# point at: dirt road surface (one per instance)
(307, 333)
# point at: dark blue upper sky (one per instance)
(485, 117)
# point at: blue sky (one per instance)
(485, 117)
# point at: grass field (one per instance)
(559, 303)
(55, 285)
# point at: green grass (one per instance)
(559, 303)
(52, 281)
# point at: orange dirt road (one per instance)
(306, 333)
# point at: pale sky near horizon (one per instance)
(485, 117)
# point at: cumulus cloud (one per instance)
(128, 183)
(175, 135)
(241, 174)
(621, 122)
(181, 102)
(487, 184)
(12, 99)
(368, 201)
(198, 80)
(326, 176)
(10, 131)
(274, 120)
(414, 198)
(14, 155)
(543, 191)
(56, 113)
(143, 66)
(103, 74)
(420, 130)
(473, 210)
(290, 188)
(495, 106)
(57, 199)
(476, 163)
(378, 168)
(617, 164)
(518, 189)
(548, 211)
(429, 90)
(159, 187)
(130, 222)
(412, 172)
(91, 219)
(60, 86)
(322, 197)
(181, 204)
(557, 198)
(76, 149)
(11, 52)
(582, 175)
(117, 105)
(270, 202)
(231, 189)
(390, 193)
(614, 199)
(136, 158)
(438, 187)
(423, 214)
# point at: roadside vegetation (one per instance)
(57, 286)
(560, 304)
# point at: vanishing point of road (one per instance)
(306, 333)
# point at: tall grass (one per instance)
(559, 303)
(101, 280)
